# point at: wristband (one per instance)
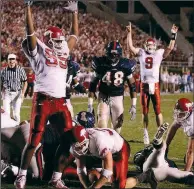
(30, 34)
(74, 37)
(134, 101)
(173, 36)
(107, 173)
(81, 170)
(90, 101)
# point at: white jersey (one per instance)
(150, 65)
(50, 69)
(164, 77)
(7, 121)
(102, 141)
(88, 76)
(188, 125)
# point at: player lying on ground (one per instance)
(112, 71)
(184, 118)
(41, 166)
(150, 59)
(153, 157)
(49, 62)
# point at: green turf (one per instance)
(132, 130)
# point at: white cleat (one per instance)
(146, 139)
(20, 182)
(57, 184)
(160, 133)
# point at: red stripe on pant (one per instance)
(39, 161)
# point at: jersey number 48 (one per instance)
(117, 79)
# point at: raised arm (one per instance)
(170, 47)
(30, 33)
(73, 7)
(134, 50)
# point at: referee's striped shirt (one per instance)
(12, 78)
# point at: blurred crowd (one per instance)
(94, 32)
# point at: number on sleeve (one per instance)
(149, 63)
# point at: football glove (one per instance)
(72, 6)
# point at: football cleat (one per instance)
(57, 184)
(20, 182)
(160, 133)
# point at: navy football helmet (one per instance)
(114, 51)
(86, 119)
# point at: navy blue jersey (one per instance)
(73, 70)
(112, 78)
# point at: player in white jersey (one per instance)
(184, 118)
(6, 120)
(49, 62)
(150, 59)
(153, 157)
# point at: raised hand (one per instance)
(129, 27)
(72, 6)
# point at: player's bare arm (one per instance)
(81, 171)
(171, 133)
(73, 7)
(30, 33)
(133, 49)
(189, 155)
(24, 89)
(106, 172)
(171, 45)
(133, 95)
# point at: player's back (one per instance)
(112, 77)
(150, 65)
(103, 140)
(50, 69)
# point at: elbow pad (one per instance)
(80, 88)
(132, 87)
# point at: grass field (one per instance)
(132, 131)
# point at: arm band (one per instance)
(107, 173)
(74, 37)
(81, 170)
(173, 36)
(80, 88)
(30, 34)
(132, 87)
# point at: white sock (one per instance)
(15, 170)
(22, 172)
(145, 130)
(56, 176)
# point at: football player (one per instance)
(49, 62)
(150, 59)
(72, 82)
(153, 157)
(112, 70)
(184, 118)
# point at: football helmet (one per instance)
(54, 38)
(86, 119)
(150, 46)
(80, 147)
(114, 52)
(183, 109)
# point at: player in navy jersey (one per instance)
(72, 82)
(112, 71)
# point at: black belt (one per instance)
(14, 90)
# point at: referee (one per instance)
(12, 79)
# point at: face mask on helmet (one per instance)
(85, 119)
(183, 109)
(55, 39)
(150, 46)
(81, 148)
(114, 57)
